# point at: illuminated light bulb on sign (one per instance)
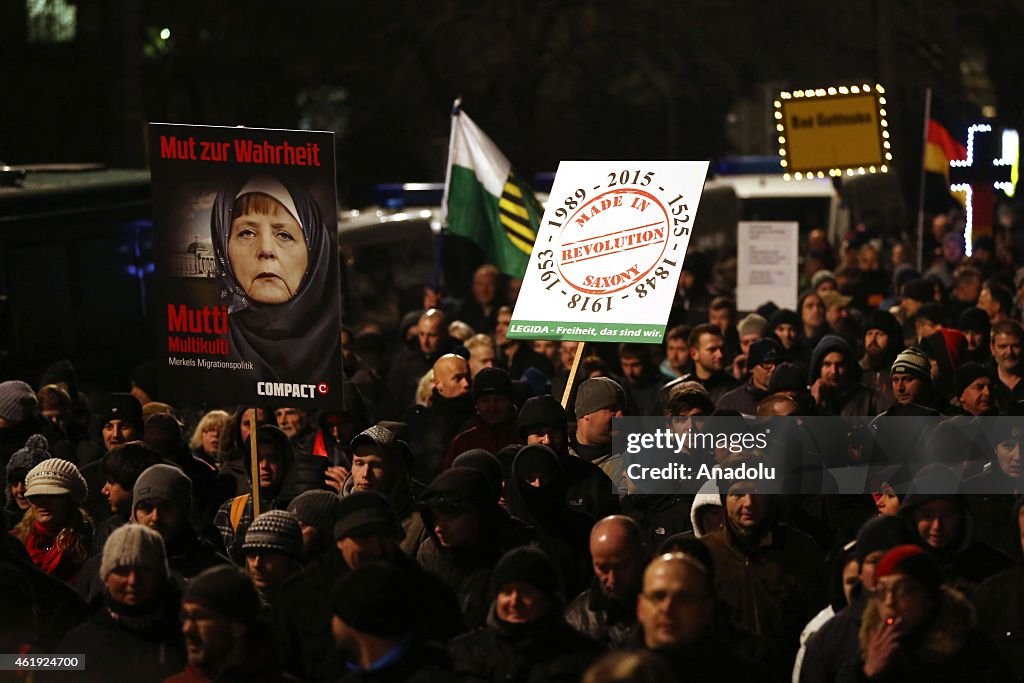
(855, 90)
(832, 91)
(879, 88)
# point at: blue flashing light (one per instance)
(748, 165)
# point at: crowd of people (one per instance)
(458, 521)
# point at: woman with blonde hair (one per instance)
(206, 439)
(55, 530)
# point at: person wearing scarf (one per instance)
(134, 629)
(56, 532)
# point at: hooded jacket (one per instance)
(851, 398)
(467, 570)
(543, 650)
(233, 535)
(965, 562)
(563, 533)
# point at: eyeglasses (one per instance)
(899, 590)
(659, 597)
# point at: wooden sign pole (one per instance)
(572, 374)
(254, 456)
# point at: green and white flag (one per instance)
(485, 201)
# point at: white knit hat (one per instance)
(134, 545)
(55, 477)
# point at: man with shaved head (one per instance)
(451, 410)
(607, 610)
(682, 621)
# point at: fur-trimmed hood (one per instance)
(944, 634)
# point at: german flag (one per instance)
(942, 148)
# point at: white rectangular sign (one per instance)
(767, 264)
(609, 250)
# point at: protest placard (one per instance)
(248, 302)
(609, 251)
(767, 264)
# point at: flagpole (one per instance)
(920, 194)
(439, 246)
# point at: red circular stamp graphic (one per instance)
(612, 241)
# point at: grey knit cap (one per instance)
(913, 361)
(163, 482)
(134, 545)
(56, 477)
(752, 324)
(34, 452)
(17, 401)
(274, 530)
(316, 508)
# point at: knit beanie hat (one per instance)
(134, 545)
(974, 320)
(55, 477)
(919, 290)
(482, 461)
(913, 361)
(967, 374)
(316, 508)
(912, 561)
(378, 599)
(226, 590)
(381, 438)
(275, 530)
(764, 350)
(752, 324)
(124, 407)
(492, 382)
(17, 401)
(597, 393)
(31, 455)
(788, 377)
(823, 276)
(882, 533)
(540, 411)
(365, 513)
(163, 482)
(784, 316)
(531, 566)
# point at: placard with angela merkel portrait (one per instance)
(248, 294)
